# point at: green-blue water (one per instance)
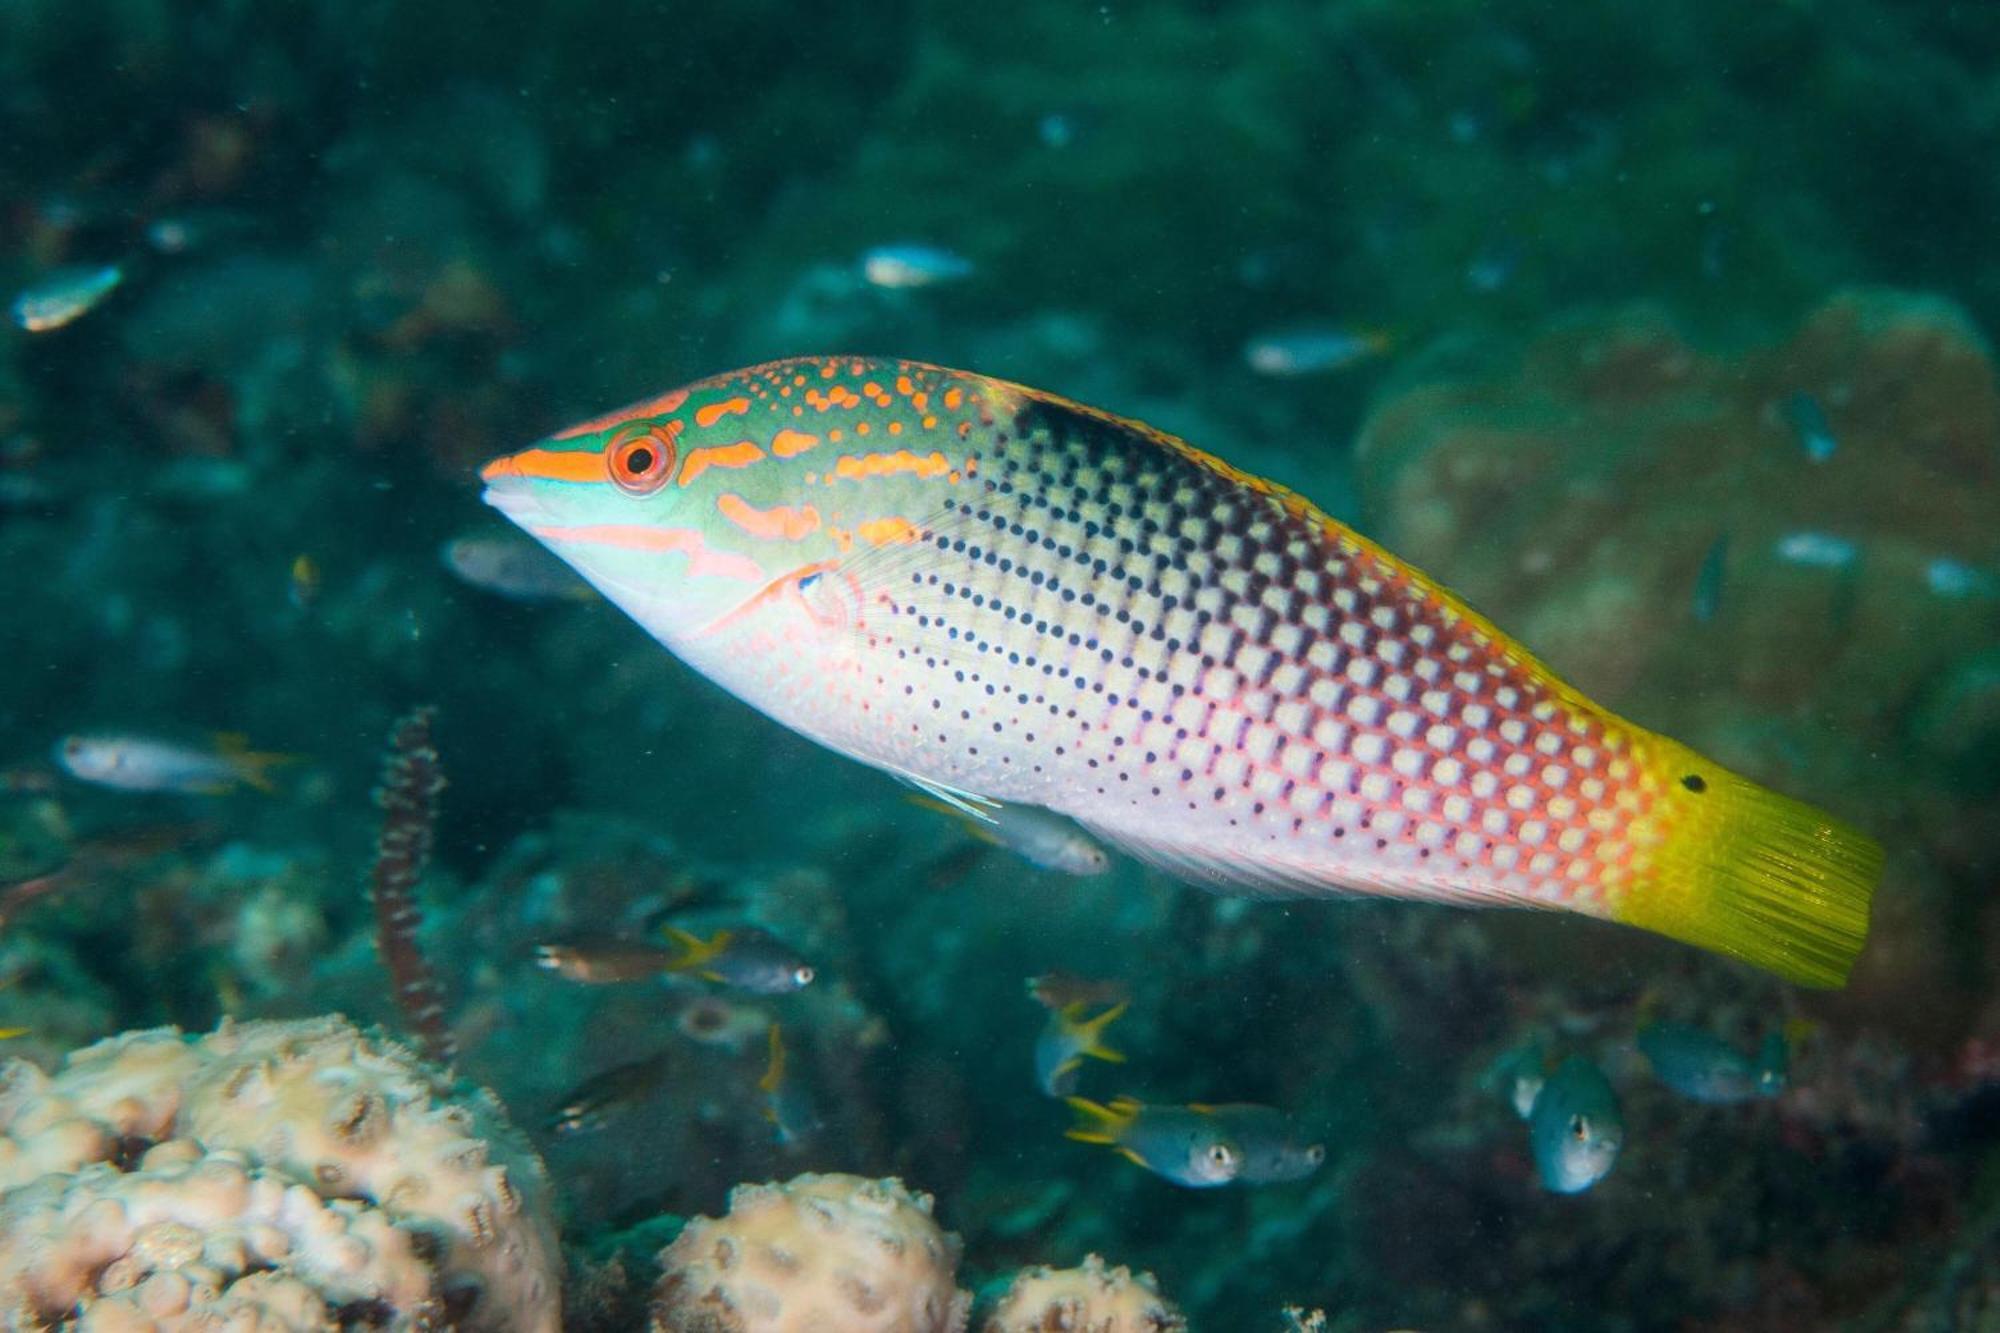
(1662, 333)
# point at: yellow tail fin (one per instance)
(1760, 877)
(252, 767)
(695, 953)
(1091, 1031)
(1099, 1124)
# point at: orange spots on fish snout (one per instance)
(548, 465)
(778, 523)
(711, 413)
(741, 454)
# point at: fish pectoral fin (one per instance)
(981, 831)
(1133, 1157)
(967, 804)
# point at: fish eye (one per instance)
(1221, 1155)
(640, 463)
(802, 975)
(1579, 1128)
(1316, 1154)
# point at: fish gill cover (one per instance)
(1659, 337)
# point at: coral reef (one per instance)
(155, 1170)
(818, 1252)
(1087, 1299)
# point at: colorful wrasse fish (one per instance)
(603, 1097)
(1271, 1146)
(1575, 1130)
(1066, 1041)
(1184, 1144)
(1044, 840)
(1703, 1067)
(148, 764)
(788, 1104)
(1002, 596)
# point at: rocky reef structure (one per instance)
(1090, 1298)
(816, 1253)
(269, 1175)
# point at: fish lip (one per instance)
(510, 491)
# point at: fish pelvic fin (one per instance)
(981, 831)
(1760, 877)
(694, 953)
(1090, 1031)
(1100, 1124)
(251, 767)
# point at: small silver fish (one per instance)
(1042, 838)
(1575, 1130)
(1703, 1067)
(1066, 1041)
(1816, 550)
(65, 296)
(1802, 413)
(1272, 1150)
(148, 764)
(913, 264)
(518, 570)
(744, 957)
(1178, 1143)
(1313, 349)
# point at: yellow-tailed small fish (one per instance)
(1044, 840)
(1071, 1035)
(511, 568)
(1273, 1150)
(1183, 1144)
(149, 764)
(603, 1097)
(1575, 1130)
(1004, 597)
(65, 296)
(1702, 1067)
(788, 1103)
(714, 1021)
(744, 957)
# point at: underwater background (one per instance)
(1662, 333)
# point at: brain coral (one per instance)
(816, 1254)
(1089, 1299)
(269, 1175)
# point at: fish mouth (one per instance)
(510, 491)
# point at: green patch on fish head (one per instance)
(686, 509)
